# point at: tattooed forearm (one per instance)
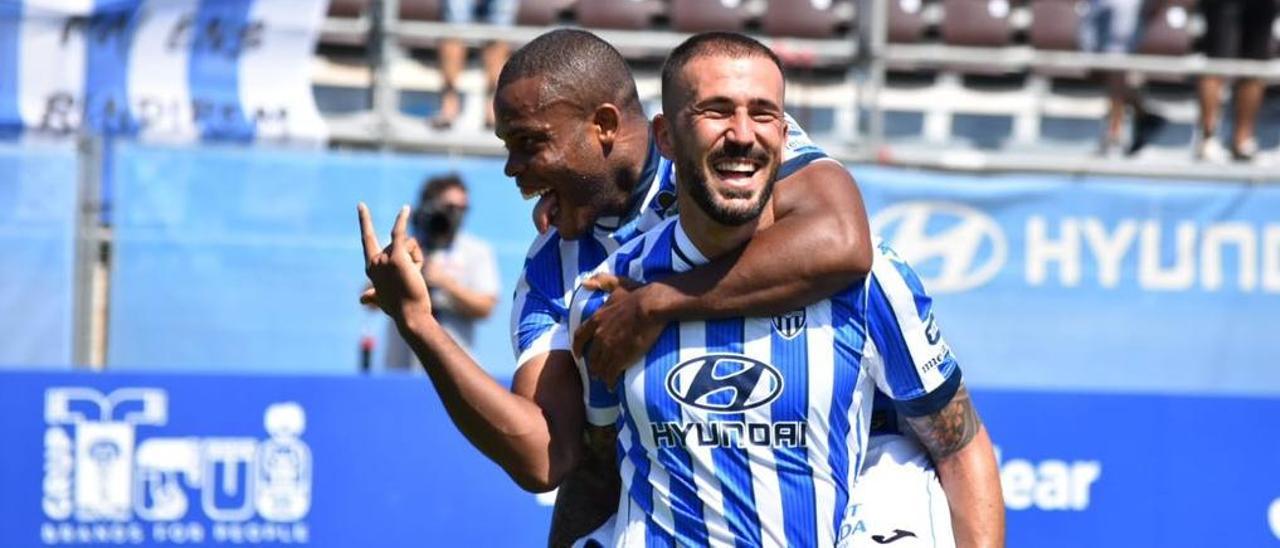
(950, 429)
(589, 494)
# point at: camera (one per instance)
(437, 223)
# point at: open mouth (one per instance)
(736, 169)
(531, 193)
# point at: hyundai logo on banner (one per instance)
(953, 247)
(105, 483)
(724, 383)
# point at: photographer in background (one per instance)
(460, 269)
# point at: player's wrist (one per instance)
(658, 303)
(415, 317)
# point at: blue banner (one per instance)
(37, 254)
(1094, 284)
(112, 459)
(230, 259)
(120, 459)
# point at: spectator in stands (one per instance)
(1234, 29)
(453, 55)
(460, 269)
(1116, 26)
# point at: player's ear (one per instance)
(662, 130)
(606, 121)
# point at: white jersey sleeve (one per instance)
(916, 367)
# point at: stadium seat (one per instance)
(618, 14)
(1167, 30)
(906, 21)
(976, 22)
(420, 10)
(353, 9)
(541, 13)
(1055, 24)
(707, 15)
(352, 33)
(805, 19)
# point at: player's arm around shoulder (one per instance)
(820, 209)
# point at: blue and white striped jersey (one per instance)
(554, 265)
(751, 431)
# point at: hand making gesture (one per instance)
(396, 270)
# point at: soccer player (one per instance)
(752, 430)
(576, 135)
(580, 139)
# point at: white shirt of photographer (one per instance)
(471, 262)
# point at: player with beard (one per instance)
(751, 430)
(583, 145)
(577, 136)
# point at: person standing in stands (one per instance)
(1116, 26)
(459, 268)
(453, 55)
(1239, 29)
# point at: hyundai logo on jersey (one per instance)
(724, 383)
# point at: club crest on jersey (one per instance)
(790, 324)
(724, 383)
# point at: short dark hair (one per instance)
(578, 66)
(437, 185)
(729, 44)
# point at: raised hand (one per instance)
(619, 333)
(395, 271)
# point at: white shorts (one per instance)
(897, 499)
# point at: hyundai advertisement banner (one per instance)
(1062, 283)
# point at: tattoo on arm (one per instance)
(950, 429)
(589, 494)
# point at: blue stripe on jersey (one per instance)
(887, 334)
(924, 303)
(10, 61)
(108, 41)
(590, 254)
(797, 163)
(795, 476)
(543, 307)
(641, 490)
(908, 390)
(657, 262)
(599, 394)
(847, 320)
(622, 261)
(214, 70)
(686, 506)
(657, 537)
(732, 466)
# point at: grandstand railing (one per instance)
(858, 99)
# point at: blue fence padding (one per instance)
(234, 259)
(375, 462)
(37, 254)
(1062, 283)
